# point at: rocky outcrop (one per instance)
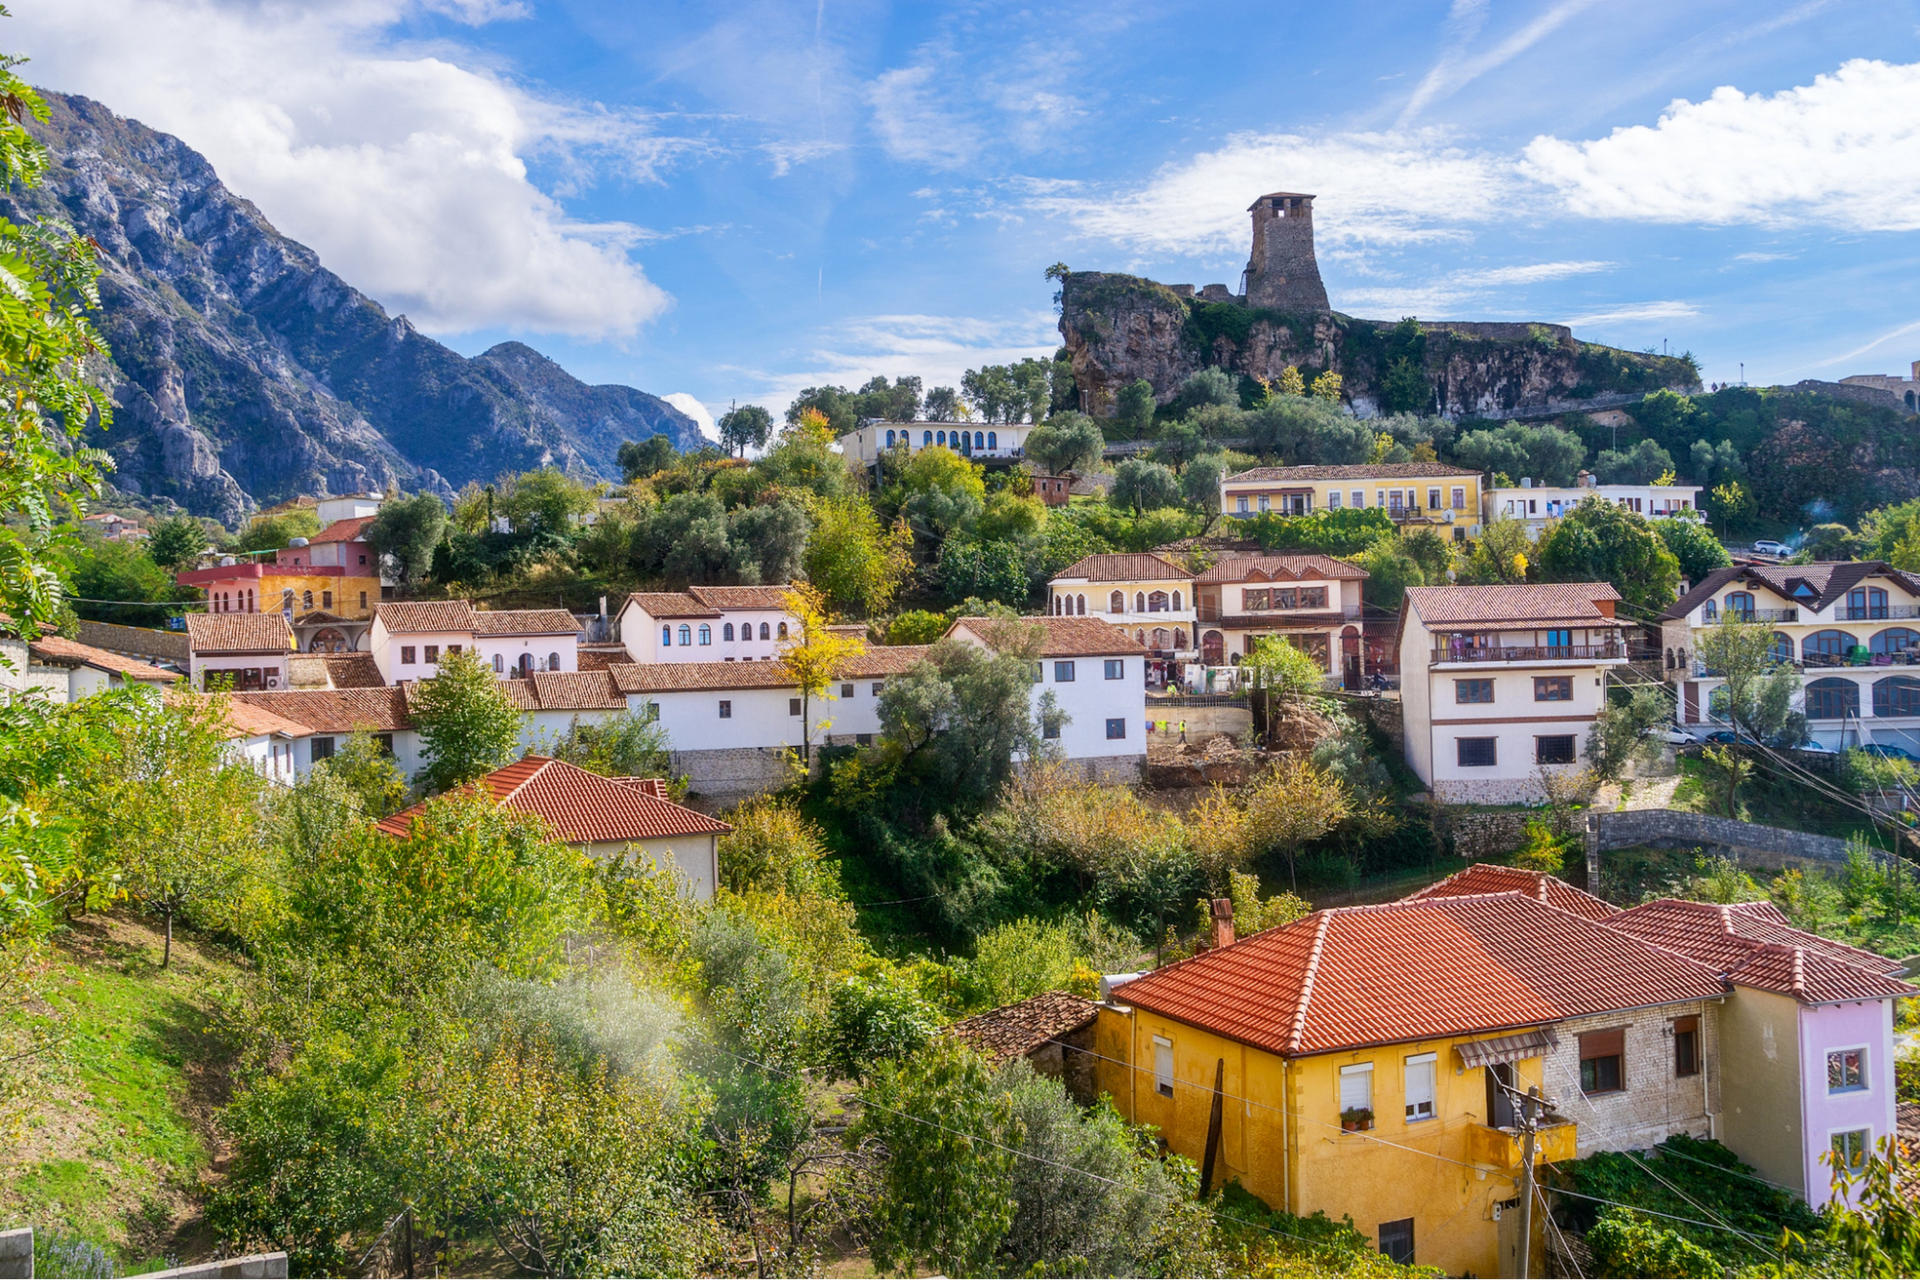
(1118, 328)
(245, 373)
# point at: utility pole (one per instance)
(1528, 1125)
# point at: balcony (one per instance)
(1214, 613)
(1873, 612)
(1764, 615)
(1532, 653)
(1501, 1148)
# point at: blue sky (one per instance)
(734, 201)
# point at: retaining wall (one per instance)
(1745, 842)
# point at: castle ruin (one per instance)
(1282, 273)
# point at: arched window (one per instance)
(1139, 602)
(1056, 604)
(889, 439)
(1176, 602)
(979, 440)
(706, 634)
(1827, 648)
(1781, 650)
(1669, 659)
(553, 662)
(1896, 696)
(686, 635)
(499, 665)
(1832, 698)
(726, 632)
(943, 437)
(250, 608)
(1082, 600)
(1179, 637)
(1740, 604)
(1895, 640)
(1117, 602)
(1709, 612)
(526, 665)
(926, 438)
(783, 630)
(764, 633)
(1157, 602)
(993, 440)
(666, 635)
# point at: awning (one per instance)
(1483, 1053)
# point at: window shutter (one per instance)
(1691, 1023)
(1611, 1043)
(1356, 1086)
(1420, 1086)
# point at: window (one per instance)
(764, 634)
(1896, 696)
(406, 655)
(1050, 728)
(1116, 728)
(1433, 499)
(1477, 753)
(726, 709)
(706, 634)
(1419, 1093)
(726, 632)
(1252, 598)
(363, 595)
(1459, 498)
(1359, 499)
(1467, 691)
(862, 739)
(553, 662)
(942, 437)
(1686, 1046)
(385, 742)
(793, 706)
(889, 439)
(878, 685)
(326, 599)
(1176, 602)
(846, 691)
(1265, 502)
(1710, 611)
(1333, 499)
(432, 654)
(926, 438)
(1560, 639)
(499, 665)
(1117, 602)
(1553, 688)
(666, 635)
(686, 635)
(649, 712)
(1740, 604)
(993, 439)
(1553, 748)
(1850, 1148)
(322, 749)
(1116, 668)
(1892, 640)
(1396, 1241)
(1832, 699)
(783, 631)
(1828, 645)
(1847, 1071)
(453, 648)
(306, 598)
(1063, 673)
(1241, 504)
(1356, 1096)
(1163, 1066)
(1602, 1055)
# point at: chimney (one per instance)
(1223, 922)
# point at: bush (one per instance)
(1015, 961)
(875, 1017)
(1626, 1243)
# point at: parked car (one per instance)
(1721, 737)
(1768, 547)
(1669, 734)
(1890, 752)
(1816, 749)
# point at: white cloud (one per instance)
(1534, 272)
(1636, 312)
(1843, 151)
(1373, 188)
(687, 404)
(406, 172)
(914, 122)
(1457, 68)
(1432, 299)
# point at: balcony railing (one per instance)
(1531, 653)
(1214, 613)
(1873, 612)
(1764, 615)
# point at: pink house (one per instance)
(1805, 1036)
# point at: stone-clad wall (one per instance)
(1746, 840)
(1656, 1103)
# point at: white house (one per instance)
(1851, 627)
(69, 671)
(1097, 676)
(1311, 601)
(1498, 683)
(1537, 504)
(551, 702)
(330, 716)
(707, 624)
(982, 440)
(247, 651)
(265, 741)
(408, 638)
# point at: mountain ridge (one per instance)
(245, 372)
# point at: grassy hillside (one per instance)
(120, 1136)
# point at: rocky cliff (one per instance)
(244, 372)
(1118, 328)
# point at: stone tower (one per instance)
(1282, 274)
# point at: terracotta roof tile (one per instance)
(769, 597)
(353, 529)
(580, 807)
(1483, 877)
(592, 659)
(1520, 605)
(353, 671)
(412, 617)
(1281, 569)
(525, 622)
(1731, 940)
(672, 604)
(337, 710)
(1140, 567)
(884, 660)
(681, 677)
(1827, 581)
(1354, 976)
(1016, 1030)
(565, 691)
(245, 720)
(1357, 471)
(1812, 978)
(1061, 637)
(238, 633)
(60, 651)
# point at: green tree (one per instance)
(1134, 404)
(1716, 464)
(917, 626)
(1016, 960)
(1180, 443)
(1405, 387)
(993, 393)
(176, 542)
(366, 769)
(1694, 547)
(270, 533)
(1501, 554)
(942, 404)
(876, 1017)
(813, 657)
(1204, 387)
(1144, 486)
(1066, 442)
(1547, 453)
(1758, 682)
(1200, 482)
(467, 725)
(404, 535)
(956, 720)
(619, 746)
(1621, 733)
(854, 559)
(1872, 1219)
(977, 568)
(746, 426)
(1601, 541)
(97, 570)
(48, 388)
(546, 499)
(1644, 463)
(1626, 1243)
(638, 459)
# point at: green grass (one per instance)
(118, 1136)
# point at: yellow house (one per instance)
(1409, 492)
(1147, 596)
(1364, 1061)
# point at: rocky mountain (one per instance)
(1117, 328)
(245, 373)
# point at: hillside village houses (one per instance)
(707, 624)
(1409, 492)
(1850, 627)
(327, 585)
(991, 442)
(1147, 596)
(1498, 683)
(1538, 505)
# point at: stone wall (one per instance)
(727, 775)
(1384, 714)
(140, 642)
(1673, 829)
(1655, 1104)
(1484, 835)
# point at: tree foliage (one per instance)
(467, 725)
(1601, 541)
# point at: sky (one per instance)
(724, 203)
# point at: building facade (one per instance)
(1410, 492)
(1004, 442)
(1539, 504)
(1311, 601)
(1501, 683)
(1096, 675)
(1147, 596)
(409, 638)
(242, 652)
(707, 624)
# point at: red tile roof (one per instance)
(592, 659)
(245, 720)
(239, 633)
(672, 604)
(1016, 1030)
(1281, 569)
(525, 622)
(353, 529)
(381, 710)
(1753, 944)
(682, 677)
(1484, 877)
(1060, 637)
(1524, 604)
(770, 597)
(353, 671)
(883, 660)
(1139, 567)
(1352, 471)
(60, 651)
(1355, 976)
(581, 807)
(412, 617)
(565, 691)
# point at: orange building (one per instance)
(328, 584)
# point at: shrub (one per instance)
(1626, 1243)
(874, 1017)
